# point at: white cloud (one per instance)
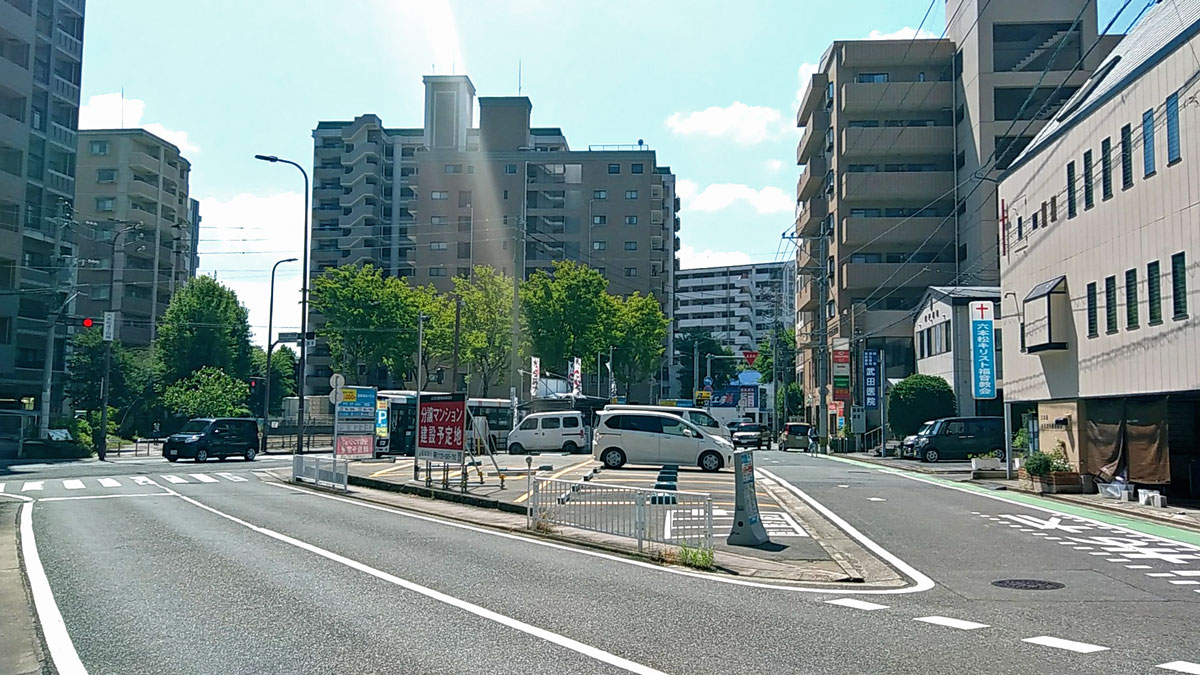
(905, 33)
(112, 111)
(803, 78)
(690, 258)
(686, 189)
(745, 124)
(774, 164)
(719, 196)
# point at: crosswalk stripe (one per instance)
(143, 480)
(2, 486)
(173, 479)
(73, 484)
(855, 604)
(232, 477)
(1181, 667)
(203, 478)
(32, 485)
(951, 623)
(1069, 645)
(109, 482)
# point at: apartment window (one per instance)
(106, 175)
(599, 245)
(1033, 222)
(464, 223)
(1110, 304)
(614, 168)
(99, 147)
(105, 204)
(464, 198)
(5, 330)
(1093, 328)
(437, 246)
(1154, 292)
(437, 271)
(1131, 299)
(439, 194)
(1020, 228)
(1054, 208)
(631, 271)
(1179, 286)
(506, 194)
(1071, 208)
(1045, 214)
(637, 168)
(1089, 191)
(470, 168)
(510, 169)
(439, 220)
(464, 250)
(631, 220)
(463, 272)
(601, 270)
(1148, 142)
(454, 168)
(1126, 157)
(599, 220)
(872, 78)
(631, 194)
(599, 194)
(8, 273)
(1106, 183)
(1173, 129)
(100, 293)
(631, 246)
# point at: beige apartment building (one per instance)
(1098, 273)
(428, 203)
(135, 236)
(897, 192)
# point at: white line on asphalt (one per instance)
(1137, 567)
(951, 623)
(54, 630)
(109, 483)
(1120, 560)
(84, 497)
(1184, 582)
(1187, 573)
(516, 624)
(923, 583)
(876, 499)
(32, 486)
(173, 479)
(1098, 553)
(73, 484)
(1069, 645)
(1160, 575)
(1181, 667)
(232, 477)
(143, 480)
(856, 604)
(203, 478)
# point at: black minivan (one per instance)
(219, 437)
(960, 437)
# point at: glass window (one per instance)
(1173, 128)
(1126, 157)
(439, 194)
(1148, 142)
(106, 175)
(599, 245)
(646, 423)
(872, 78)
(570, 422)
(599, 194)
(599, 220)
(703, 419)
(1071, 208)
(464, 198)
(1106, 182)
(631, 246)
(614, 168)
(631, 220)
(105, 203)
(1110, 304)
(636, 168)
(953, 428)
(99, 147)
(673, 427)
(551, 422)
(631, 271)
(1154, 292)
(631, 194)
(1089, 188)
(1092, 318)
(510, 169)
(1131, 299)
(437, 246)
(437, 271)
(529, 425)
(454, 168)
(1179, 285)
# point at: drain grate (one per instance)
(1028, 584)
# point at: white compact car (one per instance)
(649, 437)
(698, 416)
(549, 432)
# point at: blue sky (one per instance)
(709, 85)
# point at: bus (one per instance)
(402, 417)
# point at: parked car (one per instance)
(752, 434)
(795, 436)
(698, 416)
(650, 437)
(548, 432)
(908, 447)
(219, 437)
(960, 437)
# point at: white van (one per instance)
(549, 431)
(698, 416)
(651, 437)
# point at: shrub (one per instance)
(916, 399)
(1044, 464)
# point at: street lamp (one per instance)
(270, 346)
(303, 306)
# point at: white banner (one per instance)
(576, 376)
(612, 382)
(535, 369)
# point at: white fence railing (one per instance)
(662, 516)
(321, 471)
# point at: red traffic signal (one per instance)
(87, 323)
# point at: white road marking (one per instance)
(84, 497)
(1181, 667)
(951, 623)
(1069, 645)
(516, 624)
(1184, 582)
(843, 486)
(109, 483)
(32, 486)
(2, 486)
(143, 480)
(1082, 548)
(1048, 524)
(876, 499)
(1187, 573)
(1160, 575)
(204, 478)
(73, 484)
(856, 604)
(54, 630)
(173, 479)
(1137, 567)
(232, 477)
(1120, 560)
(1098, 553)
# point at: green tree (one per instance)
(370, 319)
(282, 374)
(918, 398)
(209, 392)
(722, 369)
(204, 325)
(567, 313)
(637, 333)
(86, 371)
(486, 324)
(437, 346)
(785, 342)
(789, 400)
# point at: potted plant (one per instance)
(985, 461)
(1050, 473)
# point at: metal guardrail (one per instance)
(661, 516)
(321, 471)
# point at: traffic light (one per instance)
(87, 322)
(256, 395)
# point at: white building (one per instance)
(942, 336)
(737, 304)
(1101, 235)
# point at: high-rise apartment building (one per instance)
(135, 222)
(736, 304)
(902, 143)
(428, 203)
(41, 51)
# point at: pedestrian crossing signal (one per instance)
(87, 323)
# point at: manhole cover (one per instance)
(1028, 584)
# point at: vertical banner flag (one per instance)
(983, 349)
(841, 370)
(872, 384)
(612, 382)
(535, 369)
(576, 376)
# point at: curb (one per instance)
(432, 493)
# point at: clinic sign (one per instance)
(983, 350)
(872, 385)
(441, 428)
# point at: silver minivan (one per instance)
(650, 437)
(698, 416)
(549, 432)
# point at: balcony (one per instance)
(74, 5)
(806, 299)
(65, 90)
(810, 181)
(68, 44)
(809, 220)
(865, 97)
(140, 187)
(814, 135)
(12, 73)
(144, 161)
(886, 322)
(921, 186)
(869, 276)
(60, 182)
(814, 97)
(895, 232)
(63, 136)
(893, 141)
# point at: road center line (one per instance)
(554, 638)
(54, 630)
(86, 497)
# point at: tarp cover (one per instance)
(1128, 435)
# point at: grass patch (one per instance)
(697, 557)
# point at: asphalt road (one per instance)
(252, 577)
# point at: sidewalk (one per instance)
(1179, 516)
(914, 465)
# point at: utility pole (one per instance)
(695, 363)
(457, 337)
(822, 336)
(420, 381)
(518, 275)
(60, 224)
